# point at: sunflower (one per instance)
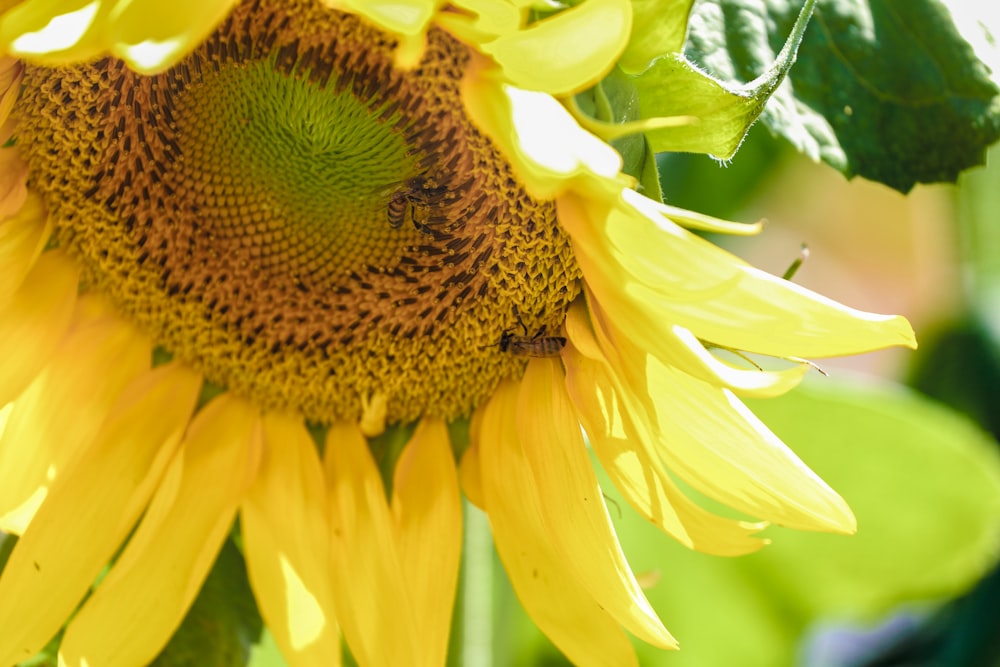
(243, 243)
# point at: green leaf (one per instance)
(222, 624)
(885, 89)
(672, 86)
(925, 486)
(615, 102)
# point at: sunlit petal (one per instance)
(286, 538)
(714, 443)
(547, 55)
(537, 135)
(639, 475)
(647, 271)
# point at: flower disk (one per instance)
(303, 222)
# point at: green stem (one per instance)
(475, 624)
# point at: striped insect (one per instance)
(538, 345)
(412, 201)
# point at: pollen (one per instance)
(304, 223)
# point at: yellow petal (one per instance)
(400, 17)
(13, 180)
(148, 590)
(469, 470)
(647, 271)
(479, 21)
(22, 238)
(149, 35)
(92, 511)
(709, 439)
(55, 31)
(286, 539)
(680, 349)
(34, 321)
(547, 56)
(63, 408)
(372, 596)
(427, 510)
(10, 85)
(536, 134)
(152, 35)
(552, 594)
(713, 442)
(572, 502)
(639, 475)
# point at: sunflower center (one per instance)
(304, 223)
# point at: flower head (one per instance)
(235, 232)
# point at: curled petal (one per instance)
(639, 474)
(149, 35)
(536, 134)
(553, 595)
(644, 269)
(546, 56)
(479, 21)
(572, 503)
(408, 20)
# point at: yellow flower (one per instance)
(253, 224)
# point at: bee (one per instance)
(538, 345)
(405, 202)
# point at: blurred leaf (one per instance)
(925, 485)
(223, 622)
(699, 183)
(961, 367)
(265, 653)
(885, 89)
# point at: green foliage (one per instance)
(223, 623)
(884, 89)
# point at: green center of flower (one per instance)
(304, 223)
(298, 175)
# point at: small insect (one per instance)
(413, 196)
(538, 345)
